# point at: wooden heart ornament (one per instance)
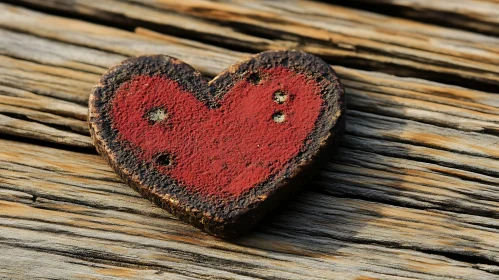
(217, 154)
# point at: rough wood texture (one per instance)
(413, 192)
(63, 209)
(476, 15)
(337, 34)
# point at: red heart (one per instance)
(217, 150)
(223, 151)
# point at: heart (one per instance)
(218, 154)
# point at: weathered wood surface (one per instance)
(413, 192)
(340, 35)
(476, 15)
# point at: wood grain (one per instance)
(383, 107)
(413, 191)
(354, 38)
(71, 207)
(475, 15)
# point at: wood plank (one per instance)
(475, 15)
(411, 105)
(42, 80)
(106, 38)
(35, 264)
(339, 35)
(416, 177)
(70, 207)
(428, 124)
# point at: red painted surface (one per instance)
(223, 151)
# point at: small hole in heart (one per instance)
(254, 78)
(215, 105)
(156, 115)
(279, 117)
(280, 96)
(165, 160)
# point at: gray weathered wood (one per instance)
(476, 15)
(71, 208)
(413, 191)
(337, 34)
